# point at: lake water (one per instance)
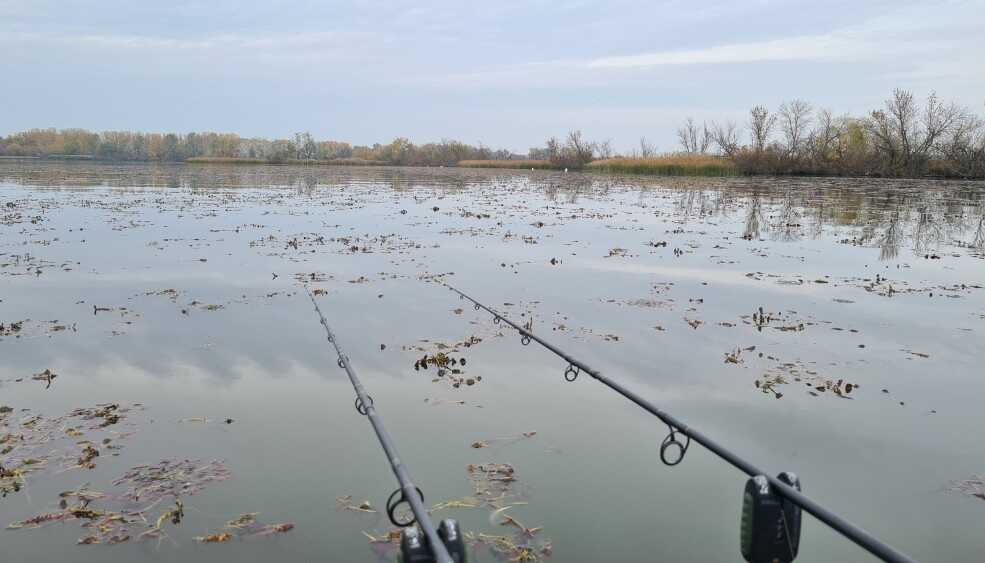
(172, 294)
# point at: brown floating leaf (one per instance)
(46, 376)
(215, 538)
(243, 520)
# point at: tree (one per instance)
(726, 137)
(576, 152)
(761, 123)
(821, 140)
(604, 149)
(304, 146)
(906, 137)
(795, 119)
(694, 140)
(579, 151)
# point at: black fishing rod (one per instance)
(770, 528)
(443, 544)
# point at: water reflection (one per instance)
(659, 320)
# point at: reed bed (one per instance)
(667, 165)
(515, 164)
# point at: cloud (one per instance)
(860, 45)
(816, 47)
(303, 41)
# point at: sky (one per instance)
(507, 73)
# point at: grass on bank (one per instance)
(514, 164)
(667, 165)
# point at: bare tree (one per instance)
(761, 123)
(705, 142)
(938, 120)
(903, 121)
(580, 151)
(726, 137)
(795, 119)
(553, 149)
(885, 140)
(906, 137)
(646, 149)
(694, 140)
(821, 140)
(959, 143)
(576, 152)
(604, 149)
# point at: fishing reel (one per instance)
(414, 546)
(770, 528)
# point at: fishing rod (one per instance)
(771, 511)
(443, 544)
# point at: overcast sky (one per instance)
(506, 73)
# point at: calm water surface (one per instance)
(176, 288)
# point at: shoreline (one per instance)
(595, 170)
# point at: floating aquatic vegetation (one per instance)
(87, 455)
(104, 526)
(493, 483)
(500, 517)
(105, 414)
(245, 526)
(391, 537)
(449, 369)
(27, 328)
(664, 304)
(973, 487)
(618, 252)
(503, 440)
(170, 293)
(29, 443)
(345, 503)
(916, 354)
(508, 548)
(313, 277)
(171, 478)
(785, 321)
(734, 357)
(111, 518)
(47, 376)
(464, 502)
(451, 402)
(206, 306)
(788, 372)
(215, 538)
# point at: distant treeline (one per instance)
(905, 137)
(229, 147)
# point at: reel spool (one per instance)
(414, 546)
(770, 526)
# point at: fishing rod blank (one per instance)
(443, 544)
(770, 529)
